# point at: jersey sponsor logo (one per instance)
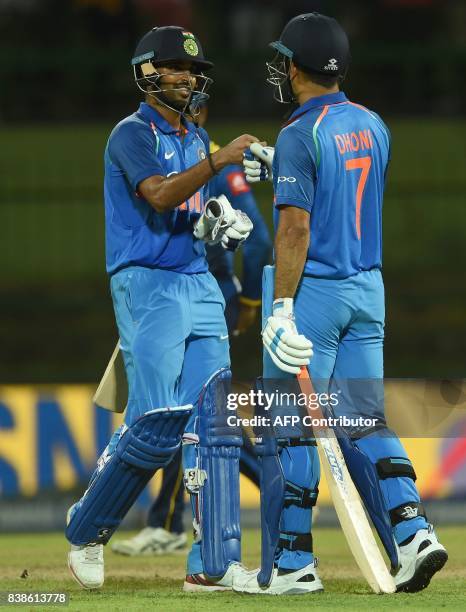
(286, 179)
(352, 141)
(201, 154)
(237, 183)
(332, 64)
(169, 155)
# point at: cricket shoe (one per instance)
(420, 559)
(151, 541)
(284, 582)
(87, 565)
(199, 583)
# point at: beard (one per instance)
(172, 101)
(173, 98)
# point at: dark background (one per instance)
(66, 79)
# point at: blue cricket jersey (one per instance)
(230, 181)
(143, 145)
(330, 159)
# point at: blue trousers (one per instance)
(173, 335)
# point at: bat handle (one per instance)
(303, 374)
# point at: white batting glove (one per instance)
(257, 163)
(221, 223)
(234, 236)
(287, 349)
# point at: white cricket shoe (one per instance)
(199, 583)
(419, 561)
(87, 565)
(151, 541)
(284, 582)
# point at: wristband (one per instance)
(211, 164)
(283, 307)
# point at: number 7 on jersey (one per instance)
(363, 164)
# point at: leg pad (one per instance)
(146, 446)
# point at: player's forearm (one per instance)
(291, 245)
(166, 193)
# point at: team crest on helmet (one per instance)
(190, 46)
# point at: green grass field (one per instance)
(155, 582)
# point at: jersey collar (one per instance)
(153, 116)
(333, 98)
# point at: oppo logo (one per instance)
(287, 179)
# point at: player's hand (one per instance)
(234, 235)
(287, 349)
(246, 317)
(232, 153)
(221, 223)
(257, 163)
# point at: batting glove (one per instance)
(221, 223)
(257, 163)
(287, 349)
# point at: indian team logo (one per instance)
(201, 154)
(190, 46)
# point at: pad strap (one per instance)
(299, 496)
(406, 512)
(301, 442)
(395, 467)
(291, 540)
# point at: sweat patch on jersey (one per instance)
(237, 183)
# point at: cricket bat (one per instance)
(347, 502)
(112, 392)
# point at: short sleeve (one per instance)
(389, 142)
(294, 169)
(133, 148)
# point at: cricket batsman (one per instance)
(169, 312)
(323, 303)
(164, 532)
